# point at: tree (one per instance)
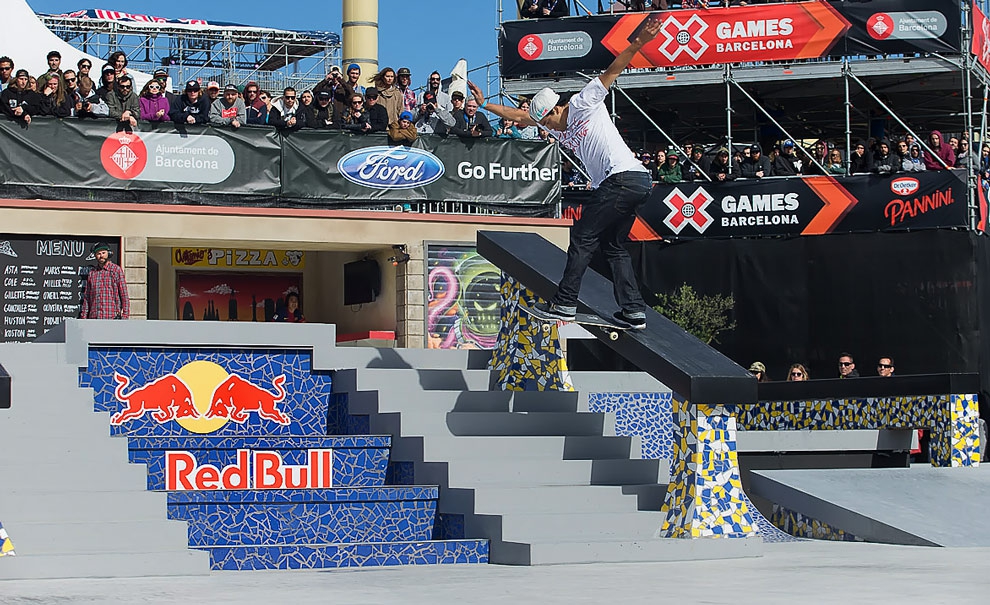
(703, 316)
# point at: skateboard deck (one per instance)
(588, 320)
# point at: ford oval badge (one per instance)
(391, 167)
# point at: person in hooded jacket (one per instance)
(887, 162)
(719, 170)
(17, 101)
(787, 163)
(191, 107)
(936, 142)
(962, 156)
(861, 160)
(154, 106)
(125, 107)
(670, 171)
(757, 165)
(282, 114)
(913, 162)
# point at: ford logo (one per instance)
(390, 167)
(904, 186)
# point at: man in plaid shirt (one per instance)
(106, 290)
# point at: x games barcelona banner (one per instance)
(783, 32)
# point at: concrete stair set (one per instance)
(437, 468)
(543, 478)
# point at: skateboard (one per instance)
(611, 328)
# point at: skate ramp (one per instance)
(921, 505)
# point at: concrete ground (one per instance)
(794, 573)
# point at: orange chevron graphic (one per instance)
(838, 203)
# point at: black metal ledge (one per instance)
(874, 386)
(688, 366)
(4, 388)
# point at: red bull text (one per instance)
(253, 470)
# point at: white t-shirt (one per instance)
(593, 137)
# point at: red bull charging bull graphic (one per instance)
(201, 396)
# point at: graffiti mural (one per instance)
(462, 298)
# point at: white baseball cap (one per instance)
(542, 104)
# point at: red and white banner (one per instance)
(981, 38)
(746, 33)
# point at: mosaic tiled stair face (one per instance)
(803, 526)
(6, 545)
(526, 358)
(645, 415)
(705, 497)
(952, 419)
(350, 555)
(305, 403)
(295, 517)
(357, 461)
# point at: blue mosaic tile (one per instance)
(303, 411)
(400, 473)
(349, 555)
(449, 527)
(646, 415)
(337, 416)
(358, 425)
(352, 466)
(266, 523)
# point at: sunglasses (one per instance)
(5, 68)
(154, 88)
(288, 98)
(251, 92)
(357, 102)
(797, 374)
(372, 98)
(85, 66)
(845, 363)
(885, 366)
(434, 79)
(263, 97)
(70, 79)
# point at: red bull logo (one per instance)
(253, 470)
(202, 397)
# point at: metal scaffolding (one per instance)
(274, 58)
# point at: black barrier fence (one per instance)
(920, 298)
(799, 206)
(76, 159)
(804, 30)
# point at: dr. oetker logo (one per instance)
(124, 155)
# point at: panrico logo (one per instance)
(880, 26)
(686, 210)
(904, 185)
(900, 210)
(683, 37)
(391, 167)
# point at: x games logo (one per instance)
(686, 210)
(683, 37)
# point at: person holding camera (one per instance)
(472, 124)
(433, 86)
(340, 90)
(431, 117)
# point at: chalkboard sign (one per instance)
(43, 281)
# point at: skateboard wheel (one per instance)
(613, 335)
(545, 327)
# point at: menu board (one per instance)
(44, 277)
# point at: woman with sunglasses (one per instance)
(798, 373)
(154, 104)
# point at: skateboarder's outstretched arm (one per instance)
(649, 31)
(502, 111)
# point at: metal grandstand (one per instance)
(197, 49)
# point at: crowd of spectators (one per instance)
(694, 162)
(341, 101)
(846, 369)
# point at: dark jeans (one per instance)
(605, 223)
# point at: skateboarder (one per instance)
(621, 184)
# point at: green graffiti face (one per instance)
(478, 300)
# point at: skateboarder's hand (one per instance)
(479, 97)
(650, 30)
